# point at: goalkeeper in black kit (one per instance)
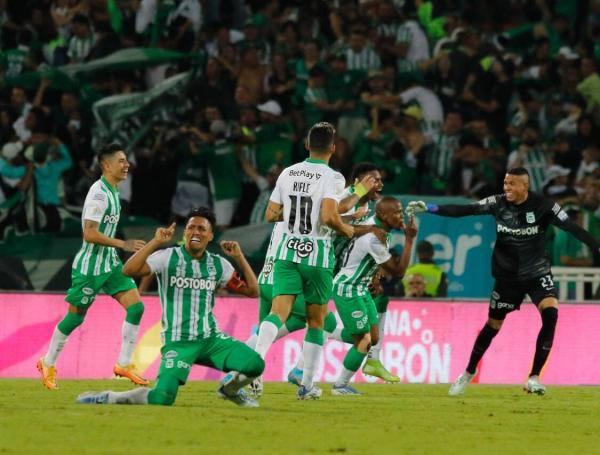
(520, 264)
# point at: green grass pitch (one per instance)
(394, 419)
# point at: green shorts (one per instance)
(219, 351)
(315, 283)
(84, 288)
(381, 302)
(358, 314)
(265, 295)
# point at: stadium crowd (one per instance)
(443, 95)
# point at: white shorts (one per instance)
(189, 195)
(224, 210)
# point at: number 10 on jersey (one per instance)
(304, 205)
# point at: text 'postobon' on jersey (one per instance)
(301, 189)
(266, 274)
(360, 262)
(187, 289)
(101, 205)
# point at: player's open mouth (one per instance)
(195, 239)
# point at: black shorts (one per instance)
(508, 295)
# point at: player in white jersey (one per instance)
(189, 277)
(306, 199)
(97, 267)
(351, 293)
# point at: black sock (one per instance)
(483, 341)
(544, 339)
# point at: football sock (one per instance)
(267, 333)
(60, 335)
(544, 340)
(374, 352)
(129, 333)
(251, 342)
(165, 391)
(482, 342)
(294, 323)
(329, 324)
(134, 313)
(312, 349)
(352, 363)
(134, 396)
(341, 334)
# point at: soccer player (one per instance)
(188, 277)
(520, 265)
(306, 198)
(351, 294)
(97, 266)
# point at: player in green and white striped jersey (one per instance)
(188, 277)
(97, 267)
(351, 286)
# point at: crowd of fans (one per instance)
(442, 95)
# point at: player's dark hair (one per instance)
(361, 169)
(425, 248)
(109, 150)
(203, 212)
(519, 171)
(321, 136)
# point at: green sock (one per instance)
(274, 319)
(314, 335)
(354, 359)
(134, 313)
(294, 323)
(330, 323)
(70, 322)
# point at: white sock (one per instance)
(129, 333)
(283, 331)
(300, 362)
(57, 342)
(134, 396)
(344, 377)
(335, 335)
(312, 357)
(267, 333)
(376, 349)
(251, 342)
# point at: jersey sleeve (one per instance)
(560, 219)
(95, 207)
(334, 187)
(487, 206)
(159, 260)
(276, 194)
(228, 271)
(378, 251)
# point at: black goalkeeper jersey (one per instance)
(520, 252)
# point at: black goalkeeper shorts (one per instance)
(508, 295)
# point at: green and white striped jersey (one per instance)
(301, 189)
(266, 274)
(363, 256)
(103, 206)
(187, 288)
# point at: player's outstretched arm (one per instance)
(91, 234)
(453, 210)
(136, 266)
(248, 286)
(397, 266)
(562, 221)
(330, 216)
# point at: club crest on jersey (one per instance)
(530, 217)
(303, 248)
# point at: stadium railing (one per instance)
(571, 279)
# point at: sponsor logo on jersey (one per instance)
(530, 217)
(357, 314)
(531, 230)
(192, 283)
(304, 173)
(87, 291)
(111, 219)
(495, 295)
(171, 354)
(303, 248)
(85, 300)
(268, 267)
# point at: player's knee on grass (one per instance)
(134, 313)
(165, 391)
(70, 322)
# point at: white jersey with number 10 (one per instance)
(301, 189)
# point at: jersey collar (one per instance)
(313, 161)
(187, 254)
(109, 186)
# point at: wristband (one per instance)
(359, 189)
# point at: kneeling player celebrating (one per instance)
(351, 293)
(188, 277)
(520, 265)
